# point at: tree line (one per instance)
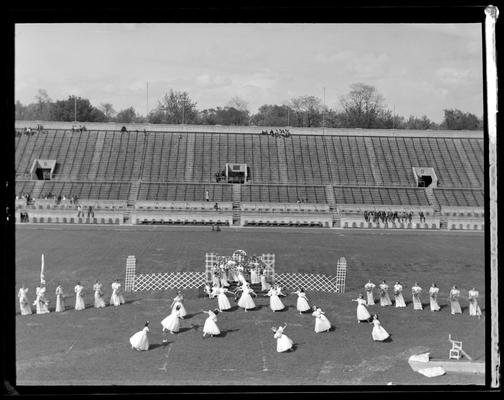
(362, 107)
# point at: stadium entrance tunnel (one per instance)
(43, 169)
(237, 173)
(424, 181)
(425, 177)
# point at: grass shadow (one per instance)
(442, 306)
(185, 329)
(157, 345)
(224, 333)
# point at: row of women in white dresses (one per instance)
(42, 303)
(221, 277)
(416, 291)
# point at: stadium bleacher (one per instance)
(329, 176)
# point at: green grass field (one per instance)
(91, 347)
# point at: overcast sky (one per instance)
(419, 68)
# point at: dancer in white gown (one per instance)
(284, 343)
(41, 303)
(416, 290)
(474, 308)
(178, 300)
(241, 276)
(223, 277)
(79, 301)
(99, 302)
(322, 324)
(378, 333)
(362, 312)
(60, 301)
(369, 293)
(140, 340)
(222, 299)
(399, 299)
(172, 322)
(275, 302)
(24, 304)
(210, 327)
(216, 277)
(246, 302)
(454, 300)
(254, 274)
(433, 294)
(384, 296)
(265, 286)
(116, 299)
(302, 301)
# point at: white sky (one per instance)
(419, 68)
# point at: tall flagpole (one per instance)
(42, 276)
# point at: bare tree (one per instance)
(363, 105)
(108, 110)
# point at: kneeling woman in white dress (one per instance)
(140, 340)
(172, 322)
(284, 343)
(60, 301)
(302, 301)
(210, 327)
(399, 299)
(246, 302)
(454, 300)
(99, 302)
(322, 324)
(433, 293)
(41, 303)
(222, 299)
(415, 293)
(178, 301)
(275, 302)
(362, 312)
(24, 304)
(474, 308)
(384, 296)
(379, 334)
(79, 301)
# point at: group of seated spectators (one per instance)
(299, 201)
(77, 128)
(26, 196)
(24, 216)
(277, 132)
(220, 176)
(391, 216)
(30, 131)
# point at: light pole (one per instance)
(323, 116)
(75, 108)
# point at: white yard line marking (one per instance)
(71, 346)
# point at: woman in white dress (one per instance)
(41, 303)
(222, 299)
(399, 299)
(384, 296)
(284, 343)
(254, 276)
(241, 276)
(119, 292)
(210, 327)
(433, 294)
(172, 322)
(369, 293)
(116, 299)
(265, 286)
(454, 300)
(322, 324)
(60, 301)
(178, 300)
(275, 302)
(474, 308)
(79, 301)
(246, 302)
(24, 304)
(99, 302)
(362, 312)
(302, 301)
(223, 277)
(378, 333)
(415, 293)
(140, 340)
(216, 277)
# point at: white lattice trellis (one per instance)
(269, 271)
(210, 259)
(315, 282)
(129, 280)
(172, 280)
(341, 268)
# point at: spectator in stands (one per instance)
(58, 199)
(216, 207)
(123, 129)
(410, 216)
(90, 213)
(79, 211)
(366, 216)
(422, 216)
(207, 195)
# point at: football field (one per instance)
(91, 347)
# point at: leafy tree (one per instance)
(75, 108)
(108, 110)
(231, 116)
(174, 108)
(272, 115)
(364, 106)
(419, 123)
(308, 111)
(458, 120)
(126, 116)
(207, 117)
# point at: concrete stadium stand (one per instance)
(181, 217)
(70, 216)
(284, 207)
(182, 205)
(288, 218)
